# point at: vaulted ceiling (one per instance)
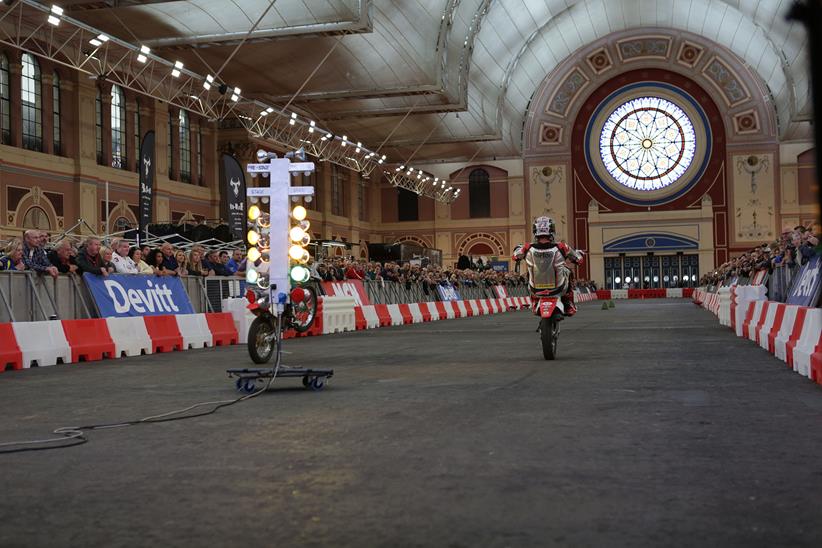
(438, 79)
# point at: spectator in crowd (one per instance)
(62, 257)
(90, 260)
(217, 260)
(233, 263)
(158, 264)
(195, 265)
(34, 256)
(182, 262)
(122, 261)
(12, 257)
(136, 255)
(169, 262)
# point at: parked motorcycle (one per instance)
(266, 330)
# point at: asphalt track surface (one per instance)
(655, 427)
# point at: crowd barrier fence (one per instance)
(790, 332)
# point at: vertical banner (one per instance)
(234, 195)
(146, 194)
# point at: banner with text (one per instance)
(146, 192)
(448, 293)
(806, 283)
(351, 288)
(120, 295)
(235, 195)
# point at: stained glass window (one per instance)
(647, 143)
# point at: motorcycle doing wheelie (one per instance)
(550, 279)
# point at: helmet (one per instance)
(544, 226)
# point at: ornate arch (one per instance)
(421, 241)
(35, 198)
(729, 83)
(121, 210)
(491, 240)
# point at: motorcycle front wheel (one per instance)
(549, 333)
(260, 343)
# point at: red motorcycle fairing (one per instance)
(547, 307)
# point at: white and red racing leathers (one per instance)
(546, 267)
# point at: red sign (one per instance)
(351, 288)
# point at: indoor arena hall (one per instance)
(410, 273)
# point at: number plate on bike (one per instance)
(546, 307)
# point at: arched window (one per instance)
(338, 190)
(408, 204)
(118, 128)
(137, 136)
(5, 102)
(170, 150)
(185, 147)
(55, 110)
(32, 103)
(479, 194)
(98, 126)
(36, 217)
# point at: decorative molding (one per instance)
(747, 122)
(689, 54)
(573, 83)
(600, 60)
(550, 134)
(726, 81)
(644, 47)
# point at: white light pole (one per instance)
(276, 240)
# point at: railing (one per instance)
(26, 296)
(386, 292)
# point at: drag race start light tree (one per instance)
(277, 238)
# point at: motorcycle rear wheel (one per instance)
(549, 334)
(259, 348)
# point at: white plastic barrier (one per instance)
(195, 331)
(416, 312)
(484, 308)
(496, 306)
(806, 345)
(724, 306)
(781, 340)
(432, 309)
(338, 315)
(474, 308)
(770, 316)
(461, 307)
(744, 295)
(674, 292)
(42, 343)
(241, 315)
(372, 320)
(395, 314)
(619, 293)
(130, 336)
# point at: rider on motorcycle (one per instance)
(545, 259)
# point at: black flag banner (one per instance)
(146, 194)
(235, 195)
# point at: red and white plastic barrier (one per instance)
(46, 343)
(791, 333)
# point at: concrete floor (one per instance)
(655, 427)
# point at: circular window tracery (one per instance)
(647, 143)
